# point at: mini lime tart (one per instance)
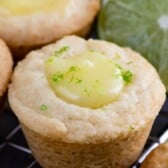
(6, 64)
(30, 24)
(85, 103)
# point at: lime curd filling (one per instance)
(89, 80)
(25, 7)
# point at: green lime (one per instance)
(140, 24)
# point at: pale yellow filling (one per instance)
(89, 79)
(25, 7)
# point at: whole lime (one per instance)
(141, 25)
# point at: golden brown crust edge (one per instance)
(5, 67)
(121, 152)
(158, 158)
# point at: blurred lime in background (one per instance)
(141, 25)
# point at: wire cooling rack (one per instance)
(14, 152)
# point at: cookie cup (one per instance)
(27, 31)
(68, 135)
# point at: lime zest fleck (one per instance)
(118, 66)
(97, 84)
(43, 107)
(78, 81)
(60, 51)
(97, 81)
(129, 62)
(58, 77)
(87, 91)
(57, 53)
(117, 56)
(50, 60)
(73, 68)
(127, 76)
(131, 127)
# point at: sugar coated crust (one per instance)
(6, 64)
(158, 158)
(41, 28)
(137, 106)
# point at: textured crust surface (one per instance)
(139, 103)
(20, 52)
(38, 29)
(158, 158)
(70, 136)
(5, 67)
(121, 152)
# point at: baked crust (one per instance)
(120, 152)
(26, 32)
(158, 158)
(69, 136)
(5, 67)
(140, 101)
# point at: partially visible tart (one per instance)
(158, 158)
(85, 103)
(5, 68)
(30, 24)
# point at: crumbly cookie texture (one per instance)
(6, 64)
(158, 158)
(38, 107)
(120, 152)
(26, 32)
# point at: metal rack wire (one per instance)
(14, 152)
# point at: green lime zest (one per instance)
(129, 62)
(127, 76)
(97, 81)
(117, 56)
(78, 80)
(57, 77)
(60, 51)
(73, 68)
(71, 71)
(87, 91)
(118, 66)
(57, 53)
(50, 60)
(131, 127)
(43, 107)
